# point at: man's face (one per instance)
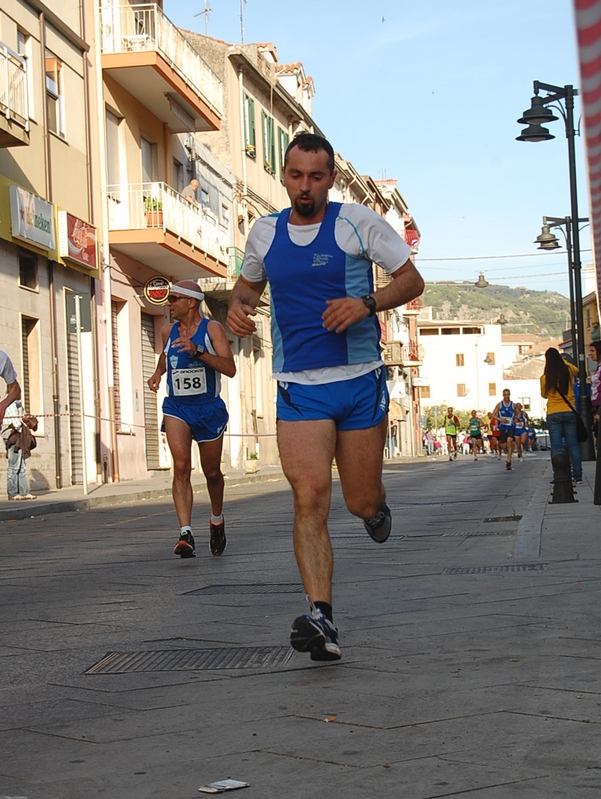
(307, 180)
(473, 414)
(506, 396)
(194, 184)
(449, 411)
(178, 306)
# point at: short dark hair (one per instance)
(311, 142)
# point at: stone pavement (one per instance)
(470, 643)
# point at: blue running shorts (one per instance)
(354, 404)
(207, 421)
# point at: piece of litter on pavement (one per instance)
(223, 785)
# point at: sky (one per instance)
(429, 93)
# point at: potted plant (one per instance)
(251, 464)
(153, 208)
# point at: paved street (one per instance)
(470, 660)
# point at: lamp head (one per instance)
(537, 114)
(547, 240)
(482, 282)
(535, 133)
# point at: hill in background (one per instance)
(540, 313)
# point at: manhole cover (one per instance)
(248, 588)
(524, 567)
(255, 657)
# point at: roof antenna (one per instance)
(206, 13)
(242, 4)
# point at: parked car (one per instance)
(543, 442)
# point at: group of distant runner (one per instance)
(508, 431)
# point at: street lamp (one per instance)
(534, 117)
(482, 282)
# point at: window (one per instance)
(54, 95)
(28, 270)
(30, 377)
(461, 390)
(178, 175)
(525, 402)
(204, 198)
(424, 392)
(225, 216)
(450, 331)
(150, 160)
(459, 359)
(113, 167)
(250, 142)
(428, 331)
(283, 141)
(492, 389)
(490, 358)
(268, 143)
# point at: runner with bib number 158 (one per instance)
(195, 354)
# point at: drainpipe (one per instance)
(105, 268)
(47, 172)
(243, 134)
(55, 382)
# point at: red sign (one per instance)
(77, 240)
(156, 290)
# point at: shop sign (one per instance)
(156, 290)
(31, 218)
(77, 240)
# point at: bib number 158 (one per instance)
(187, 382)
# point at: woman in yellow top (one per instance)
(561, 420)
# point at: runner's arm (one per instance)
(243, 301)
(406, 285)
(154, 381)
(223, 360)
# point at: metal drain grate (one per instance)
(255, 657)
(523, 567)
(478, 534)
(247, 588)
(515, 518)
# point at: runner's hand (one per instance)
(342, 313)
(154, 382)
(239, 322)
(184, 344)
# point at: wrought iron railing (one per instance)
(13, 87)
(135, 28)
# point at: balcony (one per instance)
(395, 353)
(14, 113)
(150, 57)
(157, 226)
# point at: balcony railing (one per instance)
(136, 28)
(13, 87)
(156, 205)
(395, 352)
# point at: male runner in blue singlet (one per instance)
(504, 413)
(332, 397)
(195, 354)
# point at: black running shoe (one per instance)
(315, 634)
(218, 540)
(185, 546)
(380, 525)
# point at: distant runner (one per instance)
(504, 413)
(451, 426)
(475, 427)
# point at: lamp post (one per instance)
(534, 117)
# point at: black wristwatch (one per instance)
(199, 349)
(370, 304)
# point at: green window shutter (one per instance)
(268, 142)
(283, 142)
(272, 144)
(250, 139)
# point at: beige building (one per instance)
(156, 92)
(49, 212)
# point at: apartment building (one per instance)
(265, 105)
(49, 214)
(157, 91)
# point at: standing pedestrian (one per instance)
(332, 397)
(556, 385)
(451, 427)
(429, 441)
(504, 412)
(11, 422)
(195, 354)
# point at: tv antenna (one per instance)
(206, 13)
(242, 4)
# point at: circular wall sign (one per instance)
(156, 290)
